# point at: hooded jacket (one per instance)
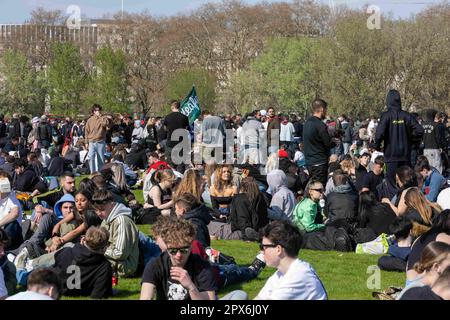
(123, 251)
(342, 203)
(282, 199)
(95, 272)
(200, 218)
(398, 129)
(65, 198)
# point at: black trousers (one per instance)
(319, 173)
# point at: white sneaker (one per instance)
(11, 257)
(29, 265)
(21, 259)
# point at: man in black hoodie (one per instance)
(399, 130)
(188, 207)
(88, 259)
(317, 142)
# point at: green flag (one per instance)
(190, 107)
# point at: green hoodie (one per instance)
(123, 251)
(305, 214)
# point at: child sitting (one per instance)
(400, 248)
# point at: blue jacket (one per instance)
(433, 184)
(65, 198)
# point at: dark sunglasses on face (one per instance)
(318, 190)
(262, 246)
(183, 250)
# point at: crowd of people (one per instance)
(286, 183)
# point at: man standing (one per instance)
(317, 142)
(95, 134)
(398, 130)
(433, 139)
(213, 135)
(273, 124)
(173, 121)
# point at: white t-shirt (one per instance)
(299, 283)
(9, 203)
(29, 295)
(3, 291)
(443, 199)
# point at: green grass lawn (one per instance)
(344, 275)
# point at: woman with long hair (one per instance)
(86, 215)
(247, 216)
(440, 231)
(192, 183)
(160, 194)
(420, 211)
(374, 218)
(405, 178)
(222, 191)
(435, 258)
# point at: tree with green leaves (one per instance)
(180, 84)
(280, 77)
(109, 85)
(23, 88)
(67, 80)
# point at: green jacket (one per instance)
(305, 214)
(123, 250)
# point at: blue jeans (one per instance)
(233, 274)
(96, 155)
(148, 248)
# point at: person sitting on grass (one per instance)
(10, 213)
(224, 274)
(401, 247)
(95, 270)
(178, 274)
(248, 214)
(440, 290)
(434, 260)
(43, 284)
(306, 213)
(294, 279)
(123, 250)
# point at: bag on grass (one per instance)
(378, 246)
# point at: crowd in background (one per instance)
(342, 183)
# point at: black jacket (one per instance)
(243, 214)
(14, 129)
(200, 218)
(398, 129)
(342, 203)
(26, 181)
(316, 141)
(44, 132)
(95, 271)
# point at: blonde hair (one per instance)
(347, 165)
(164, 175)
(119, 176)
(191, 183)
(434, 252)
(414, 199)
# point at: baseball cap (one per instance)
(283, 154)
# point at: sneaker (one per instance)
(11, 257)
(29, 265)
(258, 264)
(21, 259)
(251, 234)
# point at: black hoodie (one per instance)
(398, 129)
(200, 218)
(95, 272)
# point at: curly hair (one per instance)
(175, 232)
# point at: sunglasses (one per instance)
(262, 246)
(183, 250)
(318, 190)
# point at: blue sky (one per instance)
(17, 11)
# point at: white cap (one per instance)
(5, 186)
(263, 112)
